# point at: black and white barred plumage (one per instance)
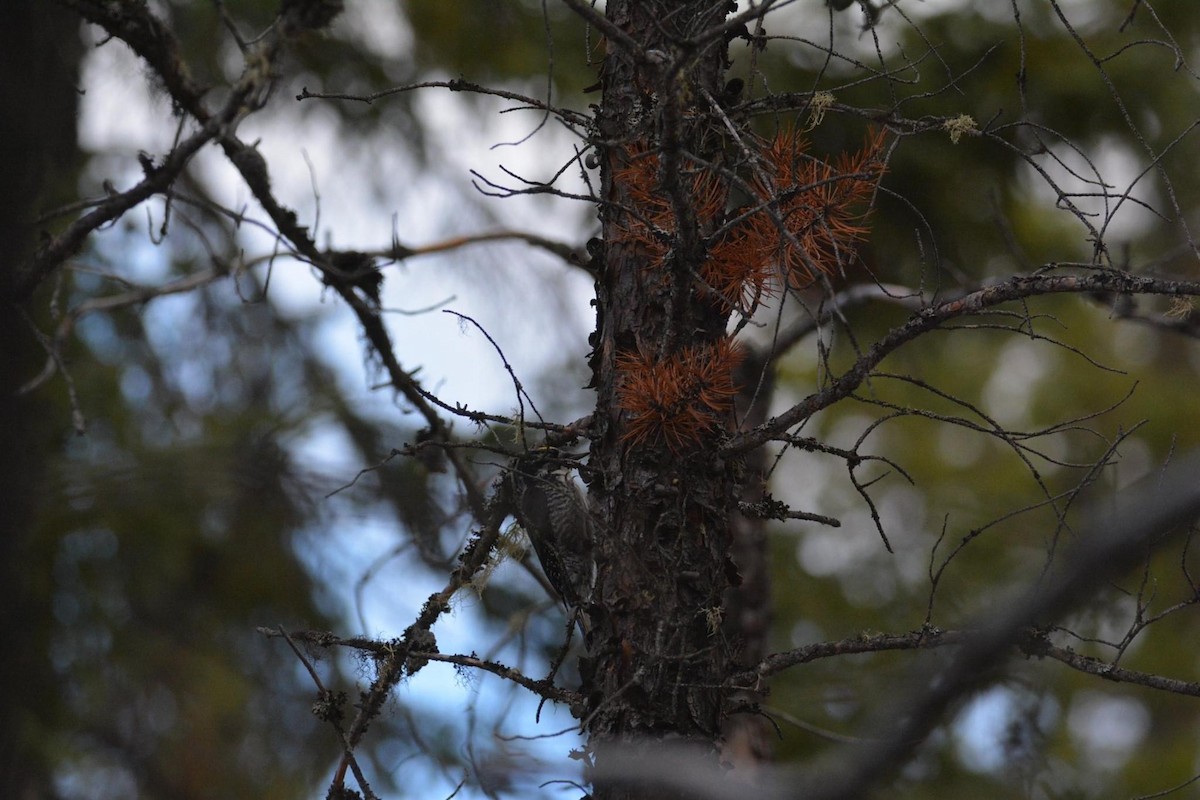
(554, 513)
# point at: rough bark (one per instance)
(658, 655)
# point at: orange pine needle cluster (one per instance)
(653, 219)
(807, 221)
(738, 268)
(677, 399)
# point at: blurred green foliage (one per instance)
(955, 215)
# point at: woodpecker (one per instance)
(554, 513)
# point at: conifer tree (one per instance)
(726, 235)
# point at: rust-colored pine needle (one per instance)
(679, 398)
(651, 215)
(809, 216)
(808, 221)
(738, 268)
(818, 203)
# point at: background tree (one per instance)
(794, 206)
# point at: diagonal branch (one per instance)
(157, 180)
(931, 318)
(1111, 543)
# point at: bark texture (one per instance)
(658, 652)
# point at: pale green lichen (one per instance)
(820, 103)
(957, 126)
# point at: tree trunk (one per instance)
(39, 53)
(658, 655)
